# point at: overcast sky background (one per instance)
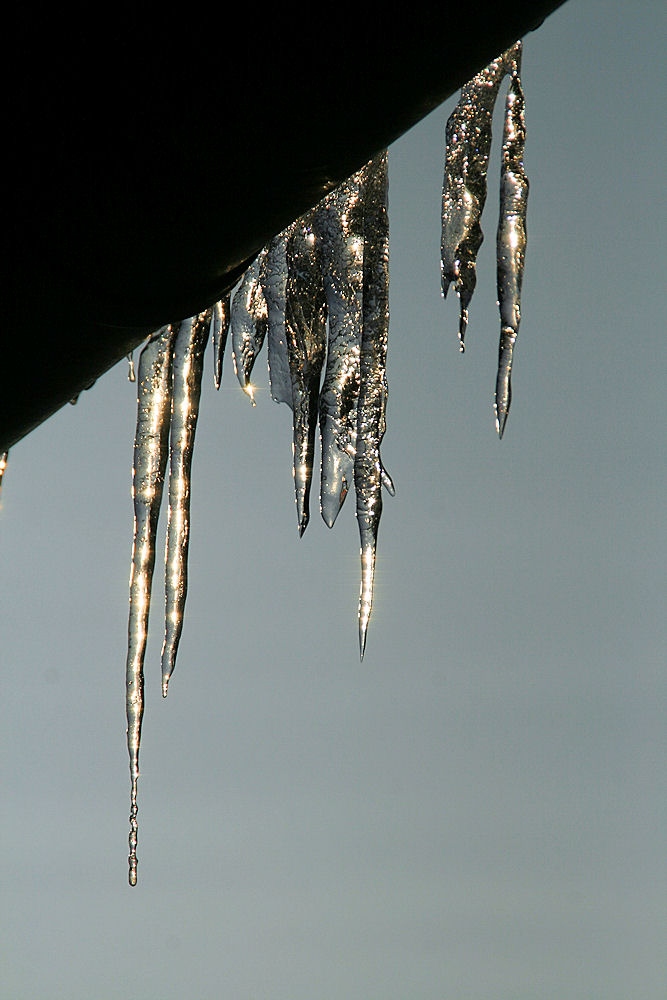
(479, 810)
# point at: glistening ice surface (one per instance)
(320, 290)
(479, 810)
(319, 295)
(464, 191)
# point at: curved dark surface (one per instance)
(149, 165)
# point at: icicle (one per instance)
(511, 240)
(219, 331)
(332, 261)
(305, 329)
(3, 465)
(468, 136)
(373, 383)
(131, 377)
(187, 372)
(338, 225)
(150, 459)
(274, 282)
(249, 321)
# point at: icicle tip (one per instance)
(463, 326)
(249, 390)
(502, 413)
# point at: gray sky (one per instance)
(477, 811)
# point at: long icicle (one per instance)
(338, 225)
(468, 135)
(305, 330)
(368, 476)
(151, 448)
(187, 373)
(511, 240)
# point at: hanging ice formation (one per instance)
(468, 137)
(3, 465)
(318, 293)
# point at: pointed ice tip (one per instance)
(388, 483)
(501, 420)
(330, 509)
(165, 687)
(463, 326)
(362, 642)
(303, 524)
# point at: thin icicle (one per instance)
(373, 384)
(511, 241)
(338, 225)
(131, 376)
(187, 373)
(305, 331)
(468, 135)
(274, 283)
(219, 330)
(3, 465)
(150, 459)
(249, 322)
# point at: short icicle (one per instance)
(511, 240)
(151, 448)
(368, 478)
(187, 374)
(468, 138)
(249, 322)
(305, 331)
(338, 226)
(219, 330)
(3, 465)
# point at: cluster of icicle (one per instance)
(463, 197)
(318, 293)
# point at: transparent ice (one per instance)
(468, 144)
(318, 294)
